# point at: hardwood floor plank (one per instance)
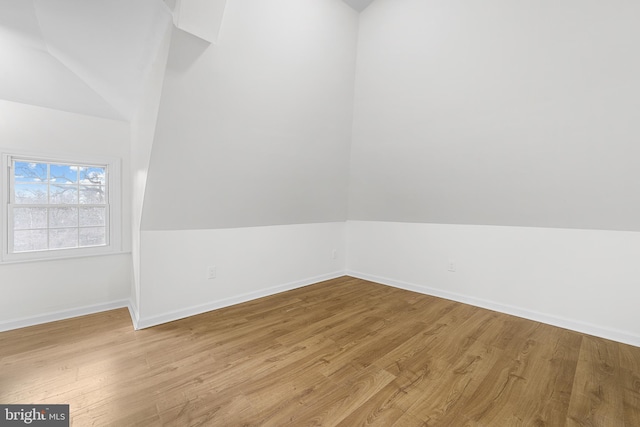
(408, 420)
(356, 391)
(300, 362)
(440, 321)
(342, 352)
(597, 398)
(205, 410)
(450, 381)
(630, 374)
(445, 345)
(631, 397)
(529, 387)
(334, 400)
(379, 410)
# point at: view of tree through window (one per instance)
(58, 206)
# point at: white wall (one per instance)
(143, 128)
(498, 112)
(250, 262)
(255, 130)
(249, 166)
(585, 280)
(38, 291)
(520, 120)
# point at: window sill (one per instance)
(61, 257)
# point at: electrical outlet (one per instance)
(451, 266)
(334, 254)
(211, 272)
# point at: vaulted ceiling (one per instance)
(90, 56)
(85, 56)
(359, 5)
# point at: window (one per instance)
(58, 208)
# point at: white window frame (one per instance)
(114, 216)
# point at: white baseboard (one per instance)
(138, 323)
(582, 327)
(54, 316)
(135, 316)
(148, 322)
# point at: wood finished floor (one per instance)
(344, 352)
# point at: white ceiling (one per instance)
(85, 56)
(358, 5)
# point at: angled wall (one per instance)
(498, 113)
(200, 18)
(520, 115)
(143, 128)
(253, 131)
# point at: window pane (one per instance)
(30, 172)
(92, 195)
(92, 216)
(64, 194)
(93, 236)
(93, 176)
(31, 193)
(63, 217)
(29, 240)
(62, 238)
(63, 174)
(25, 218)
(57, 205)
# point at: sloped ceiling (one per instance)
(89, 56)
(358, 5)
(84, 56)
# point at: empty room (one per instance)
(320, 212)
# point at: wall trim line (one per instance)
(170, 316)
(55, 316)
(133, 312)
(558, 321)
